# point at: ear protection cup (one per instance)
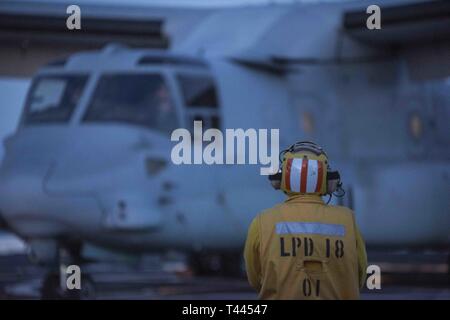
(275, 180)
(333, 181)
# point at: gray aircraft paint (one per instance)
(359, 112)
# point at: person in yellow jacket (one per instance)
(304, 248)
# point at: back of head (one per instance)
(305, 169)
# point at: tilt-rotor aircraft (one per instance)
(89, 165)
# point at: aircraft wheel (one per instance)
(232, 265)
(88, 291)
(225, 265)
(50, 289)
(448, 263)
(205, 264)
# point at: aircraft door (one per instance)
(198, 207)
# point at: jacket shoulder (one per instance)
(270, 211)
(342, 209)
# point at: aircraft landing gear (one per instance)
(51, 289)
(448, 265)
(225, 264)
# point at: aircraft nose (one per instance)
(27, 206)
(27, 209)
(21, 199)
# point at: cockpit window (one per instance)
(198, 91)
(200, 99)
(140, 99)
(53, 98)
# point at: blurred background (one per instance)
(86, 176)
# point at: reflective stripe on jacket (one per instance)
(305, 249)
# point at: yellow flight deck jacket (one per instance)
(305, 249)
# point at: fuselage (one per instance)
(91, 158)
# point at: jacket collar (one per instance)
(304, 198)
